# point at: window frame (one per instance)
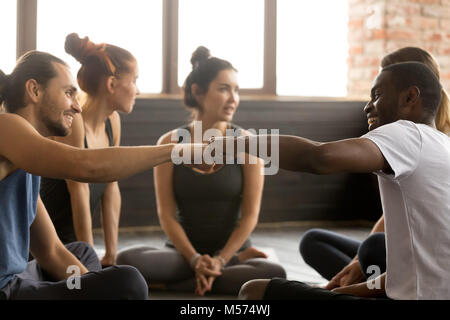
(170, 49)
(27, 34)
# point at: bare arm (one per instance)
(367, 289)
(350, 155)
(111, 203)
(81, 211)
(251, 203)
(166, 207)
(47, 249)
(79, 191)
(379, 225)
(44, 157)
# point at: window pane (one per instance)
(312, 47)
(232, 30)
(136, 27)
(8, 10)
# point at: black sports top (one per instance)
(208, 205)
(56, 198)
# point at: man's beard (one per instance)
(54, 128)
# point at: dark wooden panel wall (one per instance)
(288, 196)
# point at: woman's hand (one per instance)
(206, 270)
(108, 260)
(351, 274)
(215, 269)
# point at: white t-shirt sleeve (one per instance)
(400, 143)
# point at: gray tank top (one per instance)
(96, 190)
(208, 205)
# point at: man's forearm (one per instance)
(116, 163)
(295, 153)
(121, 162)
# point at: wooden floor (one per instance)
(279, 241)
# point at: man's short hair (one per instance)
(35, 65)
(407, 74)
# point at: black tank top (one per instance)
(56, 198)
(208, 205)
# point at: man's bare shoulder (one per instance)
(14, 131)
(10, 120)
(7, 122)
(5, 116)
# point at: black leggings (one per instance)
(329, 252)
(117, 282)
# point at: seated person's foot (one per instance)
(250, 253)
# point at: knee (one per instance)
(308, 241)
(122, 258)
(275, 270)
(131, 256)
(128, 256)
(253, 290)
(130, 283)
(372, 250)
(280, 272)
(371, 245)
(81, 248)
(80, 245)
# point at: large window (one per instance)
(312, 47)
(8, 25)
(280, 47)
(232, 30)
(134, 25)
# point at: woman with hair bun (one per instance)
(207, 216)
(108, 77)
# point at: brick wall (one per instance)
(377, 27)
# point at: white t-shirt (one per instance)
(416, 206)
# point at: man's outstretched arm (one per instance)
(300, 154)
(25, 148)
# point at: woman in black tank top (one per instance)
(108, 77)
(207, 216)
